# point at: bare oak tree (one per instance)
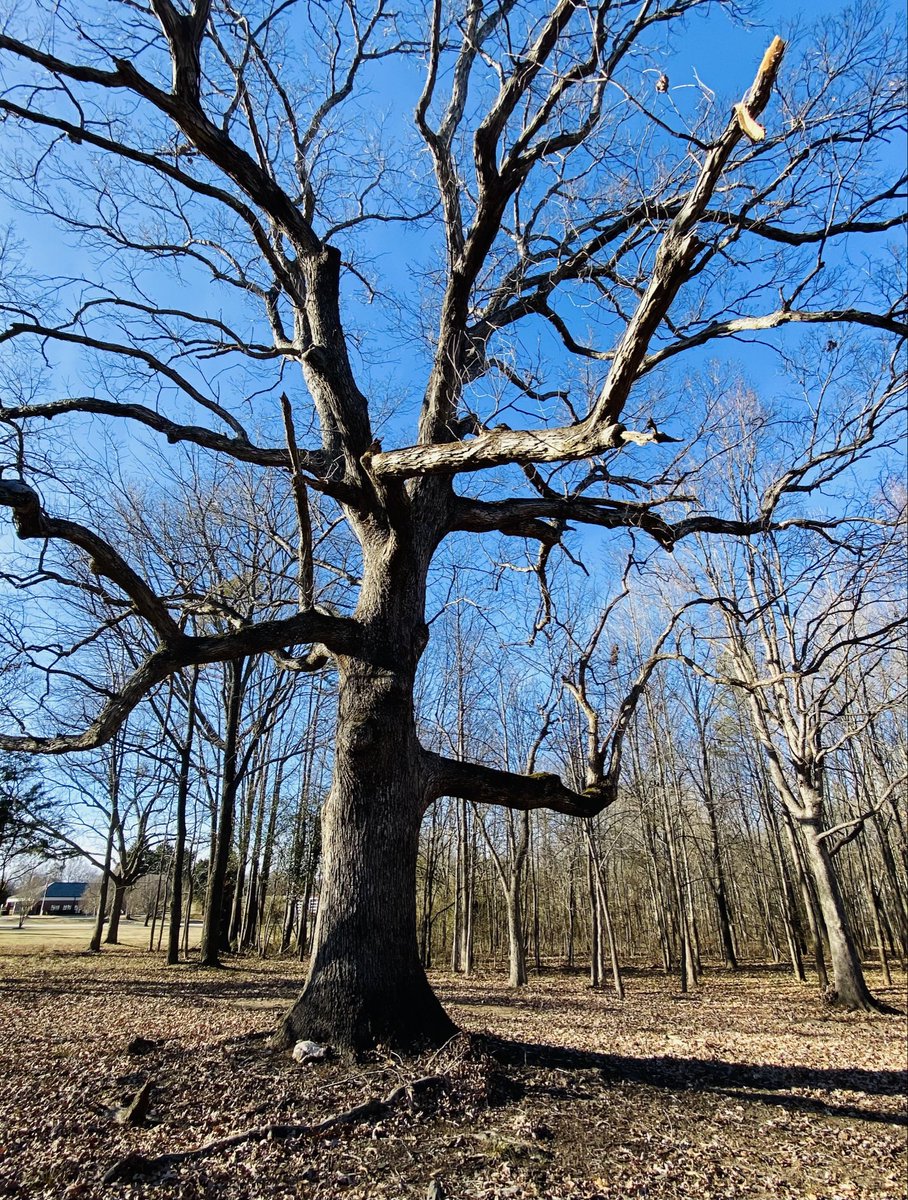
(224, 169)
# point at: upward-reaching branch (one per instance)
(600, 430)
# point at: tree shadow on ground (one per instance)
(759, 1083)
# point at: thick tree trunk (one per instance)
(366, 984)
(116, 910)
(850, 988)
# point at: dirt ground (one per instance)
(749, 1088)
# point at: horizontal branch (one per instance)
(489, 785)
(773, 320)
(314, 462)
(529, 517)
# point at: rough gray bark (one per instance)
(366, 984)
(850, 988)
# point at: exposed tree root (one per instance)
(135, 1165)
(868, 1004)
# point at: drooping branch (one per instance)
(330, 634)
(31, 521)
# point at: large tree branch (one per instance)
(529, 517)
(490, 785)
(342, 634)
(316, 463)
(31, 521)
(175, 650)
(155, 364)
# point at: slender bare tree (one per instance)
(801, 621)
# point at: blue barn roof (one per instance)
(65, 891)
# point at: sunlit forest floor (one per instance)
(746, 1088)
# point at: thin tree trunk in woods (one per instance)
(873, 902)
(571, 918)
(784, 889)
(116, 832)
(213, 927)
(94, 944)
(595, 928)
(690, 911)
(295, 870)
(154, 911)
(258, 917)
(164, 910)
(686, 954)
(517, 962)
(510, 872)
(655, 891)
(250, 804)
(708, 792)
(247, 913)
(179, 846)
(897, 892)
(534, 892)
(719, 884)
(189, 898)
(600, 902)
(468, 926)
(304, 936)
(428, 891)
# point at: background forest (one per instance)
(767, 653)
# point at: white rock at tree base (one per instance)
(309, 1051)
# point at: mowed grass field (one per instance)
(73, 933)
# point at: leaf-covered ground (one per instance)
(748, 1088)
